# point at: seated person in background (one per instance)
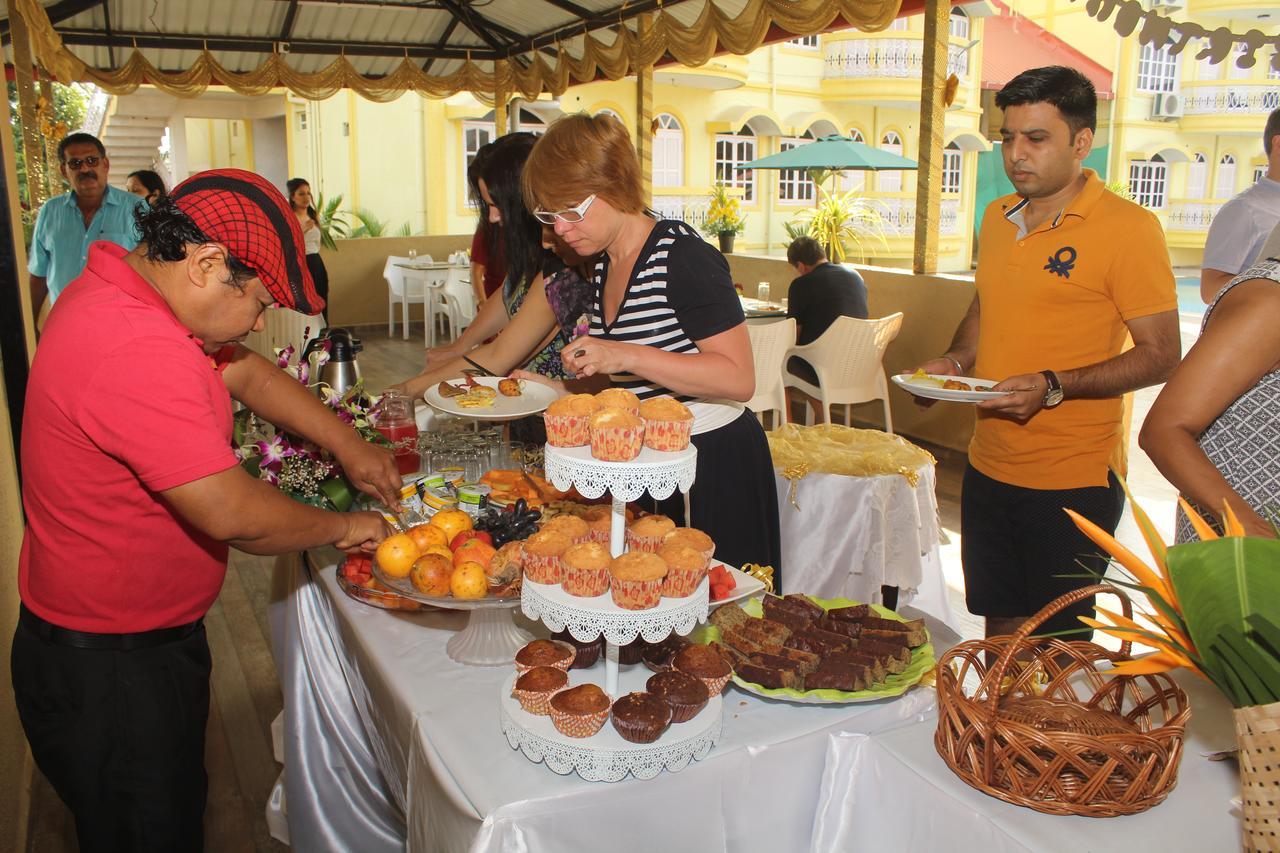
(822, 292)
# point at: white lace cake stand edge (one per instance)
(588, 618)
(655, 472)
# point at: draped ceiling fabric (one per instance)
(611, 51)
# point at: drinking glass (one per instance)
(762, 291)
(413, 253)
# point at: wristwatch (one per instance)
(1053, 391)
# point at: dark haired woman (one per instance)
(300, 201)
(147, 184)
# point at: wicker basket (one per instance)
(1058, 735)
(1258, 734)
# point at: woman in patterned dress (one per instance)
(1214, 431)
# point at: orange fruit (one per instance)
(468, 581)
(475, 551)
(426, 535)
(431, 573)
(452, 522)
(396, 555)
(442, 550)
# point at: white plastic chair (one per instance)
(848, 359)
(405, 287)
(769, 345)
(452, 298)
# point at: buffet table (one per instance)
(388, 742)
(891, 791)
(847, 536)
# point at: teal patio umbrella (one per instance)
(835, 153)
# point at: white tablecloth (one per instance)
(891, 791)
(389, 742)
(851, 535)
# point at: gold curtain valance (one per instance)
(714, 31)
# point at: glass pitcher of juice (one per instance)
(397, 423)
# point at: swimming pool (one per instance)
(1189, 301)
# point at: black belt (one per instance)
(105, 642)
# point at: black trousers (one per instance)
(320, 276)
(120, 736)
(734, 499)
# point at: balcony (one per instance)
(900, 217)
(894, 64)
(721, 72)
(1228, 106)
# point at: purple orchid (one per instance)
(284, 356)
(273, 451)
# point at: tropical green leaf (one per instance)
(1266, 630)
(844, 223)
(333, 224)
(1221, 584)
(367, 224)
(404, 230)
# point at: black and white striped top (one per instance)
(680, 291)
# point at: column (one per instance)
(31, 147)
(499, 112)
(644, 117)
(933, 75)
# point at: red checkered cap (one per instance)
(248, 215)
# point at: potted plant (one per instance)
(844, 223)
(725, 219)
(1215, 609)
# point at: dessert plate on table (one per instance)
(534, 397)
(922, 661)
(404, 587)
(930, 388)
(748, 586)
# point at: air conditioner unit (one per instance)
(1165, 6)
(1167, 106)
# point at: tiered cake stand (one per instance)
(606, 756)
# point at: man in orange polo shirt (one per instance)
(1067, 271)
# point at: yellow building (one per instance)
(405, 161)
(1184, 134)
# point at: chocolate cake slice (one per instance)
(779, 611)
(728, 616)
(916, 633)
(819, 642)
(767, 676)
(834, 677)
(777, 662)
(804, 604)
(876, 669)
(837, 626)
(895, 658)
(765, 631)
(854, 613)
(895, 638)
(807, 660)
(746, 645)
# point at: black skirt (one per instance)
(320, 276)
(734, 499)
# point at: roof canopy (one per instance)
(1012, 43)
(383, 48)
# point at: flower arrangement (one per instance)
(725, 215)
(299, 468)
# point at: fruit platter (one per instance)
(355, 578)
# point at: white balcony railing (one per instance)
(691, 209)
(886, 57)
(900, 216)
(1186, 215)
(1238, 98)
(96, 113)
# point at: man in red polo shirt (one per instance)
(133, 494)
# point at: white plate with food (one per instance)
(957, 389)
(490, 398)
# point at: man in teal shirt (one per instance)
(69, 223)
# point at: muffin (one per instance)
(667, 424)
(535, 688)
(618, 398)
(647, 532)
(693, 538)
(685, 694)
(579, 711)
(616, 435)
(641, 717)
(657, 656)
(635, 580)
(705, 664)
(586, 569)
(542, 556)
(544, 653)
(599, 524)
(568, 420)
(570, 525)
(631, 652)
(685, 570)
(585, 654)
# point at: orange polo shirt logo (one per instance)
(1057, 298)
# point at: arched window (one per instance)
(668, 152)
(1149, 181)
(608, 112)
(856, 135)
(794, 185)
(952, 158)
(958, 25)
(1224, 185)
(475, 135)
(890, 181)
(854, 179)
(1197, 176)
(733, 149)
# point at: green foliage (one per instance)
(69, 107)
(1121, 188)
(796, 230)
(1229, 590)
(844, 223)
(724, 216)
(333, 223)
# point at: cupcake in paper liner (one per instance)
(705, 664)
(575, 528)
(580, 711)
(641, 717)
(616, 435)
(543, 552)
(534, 689)
(586, 569)
(685, 570)
(568, 420)
(552, 653)
(599, 521)
(691, 537)
(585, 654)
(668, 423)
(685, 694)
(618, 398)
(647, 533)
(635, 580)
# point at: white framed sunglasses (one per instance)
(569, 214)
